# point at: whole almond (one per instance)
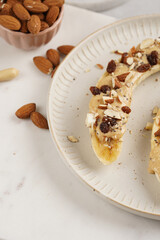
(34, 24)
(52, 15)
(35, 7)
(5, 9)
(53, 72)
(24, 28)
(65, 49)
(41, 16)
(26, 110)
(39, 120)
(43, 64)
(57, 3)
(12, 2)
(53, 56)
(21, 12)
(10, 22)
(44, 26)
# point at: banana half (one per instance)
(109, 106)
(154, 162)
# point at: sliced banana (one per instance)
(154, 162)
(118, 83)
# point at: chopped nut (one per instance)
(155, 110)
(112, 114)
(149, 126)
(157, 134)
(72, 139)
(113, 93)
(122, 77)
(130, 131)
(133, 50)
(117, 84)
(147, 43)
(99, 66)
(87, 70)
(118, 52)
(102, 106)
(129, 60)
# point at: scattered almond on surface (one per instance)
(53, 56)
(65, 49)
(39, 120)
(8, 74)
(26, 110)
(43, 64)
(72, 139)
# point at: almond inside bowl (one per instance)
(29, 41)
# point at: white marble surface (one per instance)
(135, 7)
(40, 198)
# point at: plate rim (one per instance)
(110, 200)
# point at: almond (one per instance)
(21, 12)
(57, 3)
(44, 26)
(12, 2)
(43, 64)
(157, 134)
(34, 24)
(53, 56)
(53, 72)
(117, 84)
(122, 77)
(41, 16)
(35, 7)
(52, 15)
(26, 110)
(5, 9)
(65, 49)
(39, 120)
(10, 22)
(24, 28)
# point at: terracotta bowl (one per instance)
(30, 41)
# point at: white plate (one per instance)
(100, 5)
(126, 182)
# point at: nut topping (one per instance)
(153, 58)
(122, 77)
(126, 109)
(157, 134)
(111, 66)
(95, 90)
(117, 84)
(102, 106)
(143, 68)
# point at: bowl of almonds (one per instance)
(29, 24)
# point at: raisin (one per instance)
(105, 88)
(104, 127)
(153, 58)
(110, 121)
(143, 67)
(95, 90)
(126, 109)
(111, 66)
